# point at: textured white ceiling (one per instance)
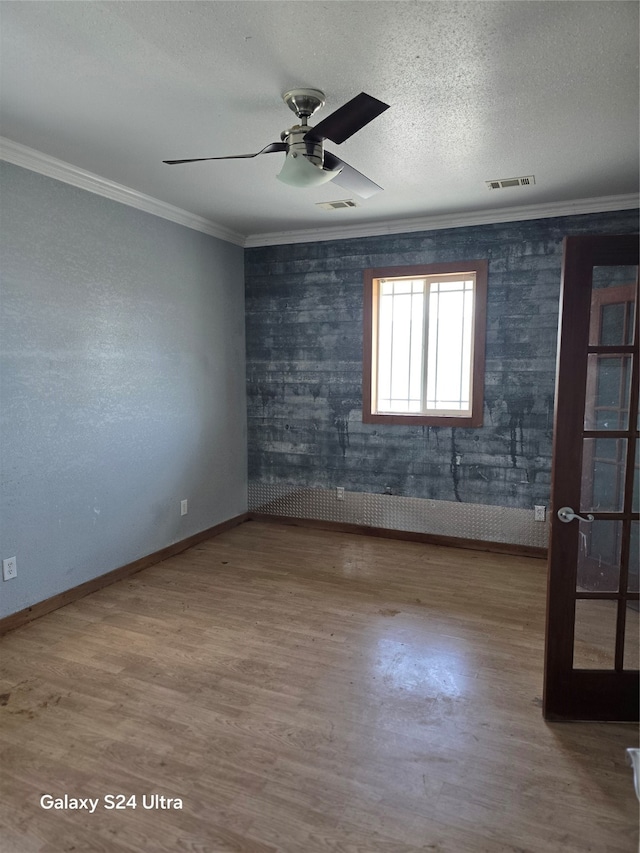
(478, 91)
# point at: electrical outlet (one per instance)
(340, 493)
(184, 507)
(9, 568)
(539, 513)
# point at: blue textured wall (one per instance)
(304, 365)
(121, 384)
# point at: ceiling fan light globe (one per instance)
(297, 171)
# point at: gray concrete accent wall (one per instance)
(304, 366)
(122, 384)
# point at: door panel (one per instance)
(591, 656)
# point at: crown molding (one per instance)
(449, 220)
(36, 161)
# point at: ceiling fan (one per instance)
(306, 163)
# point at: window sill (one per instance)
(422, 420)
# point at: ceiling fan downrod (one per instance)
(304, 103)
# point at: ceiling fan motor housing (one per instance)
(304, 163)
(298, 146)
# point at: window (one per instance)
(424, 337)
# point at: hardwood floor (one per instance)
(304, 691)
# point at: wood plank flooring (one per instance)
(304, 691)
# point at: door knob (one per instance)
(566, 514)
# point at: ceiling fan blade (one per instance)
(350, 178)
(268, 149)
(348, 119)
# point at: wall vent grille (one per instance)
(337, 205)
(503, 183)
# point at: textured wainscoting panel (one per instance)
(395, 512)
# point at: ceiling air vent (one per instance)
(503, 183)
(337, 205)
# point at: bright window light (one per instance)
(422, 344)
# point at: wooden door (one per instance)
(592, 639)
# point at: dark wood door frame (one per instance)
(572, 694)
